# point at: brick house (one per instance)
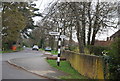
(109, 39)
(115, 35)
(102, 43)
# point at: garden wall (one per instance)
(87, 65)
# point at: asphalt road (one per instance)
(12, 72)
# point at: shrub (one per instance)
(5, 46)
(72, 48)
(114, 61)
(25, 44)
(97, 50)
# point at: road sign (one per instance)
(62, 36)
(54, 33)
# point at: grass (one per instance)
(54, 52)
(10, 51)
(7, 51)
(66, 67)
(42, 49)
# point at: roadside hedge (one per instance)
(114, 60)
(97, 50)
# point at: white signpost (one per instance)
(62, 36)
(54, 33)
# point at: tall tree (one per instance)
(85, 18)
(17, 18)
(13, 23)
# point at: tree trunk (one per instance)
(90, 24)
(93, 37)
(83, 25)
(52, 42)
(63, 43)
(70, 40)
(96, 24)
(80, 41)
(79, 29)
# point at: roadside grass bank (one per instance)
(41, 49)
(66, 67)
(10, 51)
(7, 51)
(53, 52)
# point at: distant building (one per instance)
(109, 39)
(115, 35)
(102, 43)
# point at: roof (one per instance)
(102, 43)
(116, 34)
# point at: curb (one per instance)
(52, 79)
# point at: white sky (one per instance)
(42, 4)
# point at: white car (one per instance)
(48, 49)
(35, 47)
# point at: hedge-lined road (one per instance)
(11, 72)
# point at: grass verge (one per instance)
(41, 49)
(10, 51)
(53, 52)
(7, 51)
(66, 67)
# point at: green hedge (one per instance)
(114, 60)
(97, 50)
(72, 48)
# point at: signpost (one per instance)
(54, 33)
(59, 47)
(60, 37)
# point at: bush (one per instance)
(72, 48)
(115, 48)
(97, 50)
(114, 61)
(25, 44)
(6, 46)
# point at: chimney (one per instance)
(107, 38)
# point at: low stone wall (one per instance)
(87, 65)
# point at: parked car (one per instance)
(35, 47)
(48, 49)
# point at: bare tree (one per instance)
(86, 18)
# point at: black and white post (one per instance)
(59, 47)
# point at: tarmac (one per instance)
(38, 66)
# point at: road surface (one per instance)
(12, 72)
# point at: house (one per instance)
(115, 35)
(102, 43)
(109, 39)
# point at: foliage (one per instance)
(29, 12)
(25, 44)
(54, 52)
(10, 51)
(13, 23)
(66, 67)
(85, 19)
(17, 19)
(114, 60)
(72, 48)
(97, 50)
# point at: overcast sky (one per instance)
(42, 4)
